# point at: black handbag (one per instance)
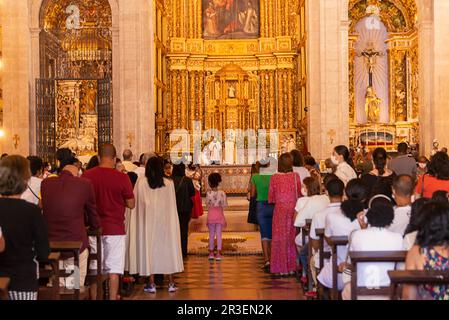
(252, 213)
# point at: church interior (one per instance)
(226, 84)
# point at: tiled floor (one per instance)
(234, 278)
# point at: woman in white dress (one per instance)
(155, 242)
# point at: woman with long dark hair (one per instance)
(155, 237)
(431, 251)
(380, 178)
(437, 177)
(343, 223)
(185, 191)
(345, 167)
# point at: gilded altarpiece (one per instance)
(399, 17)
(248, 82)
(76, 60)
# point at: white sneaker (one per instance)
(172, 287)
(150, 288)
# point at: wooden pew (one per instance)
(305, 238)
(323, 255)
(95, 275)
(4, 282)
(49, 275)
(72, 247)
(334, 243)
(372, 257)
(304, 230)
(415, 277)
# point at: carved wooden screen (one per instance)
(45, 119)
(104, 98)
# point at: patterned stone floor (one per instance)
(236, 277)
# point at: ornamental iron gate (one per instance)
(47, 125)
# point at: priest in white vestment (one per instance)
(214, 149)
(154, 231)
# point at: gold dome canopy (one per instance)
(231, 70)
(88, 44)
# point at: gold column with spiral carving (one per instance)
(290, 96)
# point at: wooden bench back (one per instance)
(49, 275)
(95, 275)
(72, 247)
(372, 257)
(415, 277)
(334, 243)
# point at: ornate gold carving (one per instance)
(398, 15)
(265, 93)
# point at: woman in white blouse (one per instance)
(374, 236)
(342, 159)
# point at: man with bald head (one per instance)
(403, 189)
(114, 193)
(128, 161)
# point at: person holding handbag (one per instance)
(285, 189)
(185, 191)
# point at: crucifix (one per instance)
(370, 55)
(16, 140)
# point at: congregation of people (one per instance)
(399, 204)
(143, 210)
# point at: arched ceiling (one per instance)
(93, 13)
(398, 15)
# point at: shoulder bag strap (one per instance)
(34, 194)
(296, 186)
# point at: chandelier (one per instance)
(88, 43)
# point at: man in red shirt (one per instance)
(114, 193)
(66, 201)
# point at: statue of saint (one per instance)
(231, 92)
(89, 99)
(372, 106)
(230, 147)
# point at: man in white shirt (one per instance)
(33, 192)
(403, 188)
(140, 171)
(128, 161)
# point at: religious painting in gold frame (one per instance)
(231, 19)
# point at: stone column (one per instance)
(134, 112)
(434, 73)
(328, 88)
(16, 74)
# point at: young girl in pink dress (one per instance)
(216, 202)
